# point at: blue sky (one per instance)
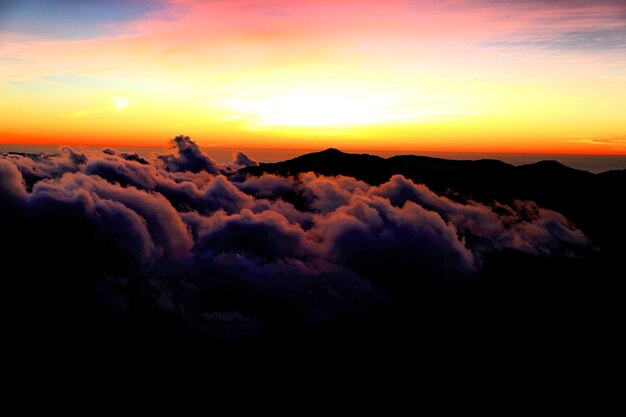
(70, 19)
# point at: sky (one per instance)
(525, 76)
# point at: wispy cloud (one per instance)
(118, 103)
(561, 25)
(615, 143)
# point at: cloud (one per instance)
(561, 25)
(376, 239)
(134, 156)
(243, 160)
(12, 185)
(266, 186)
(123, 171)
(327, 194)
(230, 254)
(615, 143)
(241, 233)
(35, 167)
(87, 194)
(190, 157)
(523, 226)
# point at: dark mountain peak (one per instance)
(617, 174)
(551, 167)
(547, 163)
(331, 151)
(328, 158)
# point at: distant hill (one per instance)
(594, 202)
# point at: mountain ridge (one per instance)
(432, 161)
(582, 196)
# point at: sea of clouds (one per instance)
(229, 252)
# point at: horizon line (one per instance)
(318, 149)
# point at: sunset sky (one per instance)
(457, 75)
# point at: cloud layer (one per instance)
(232, 254)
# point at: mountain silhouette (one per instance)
(592, 201)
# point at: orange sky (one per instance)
(480, 76)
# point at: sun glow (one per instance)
(353, 74)
(121, 103)
(315, 108)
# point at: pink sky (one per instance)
(439, 75)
